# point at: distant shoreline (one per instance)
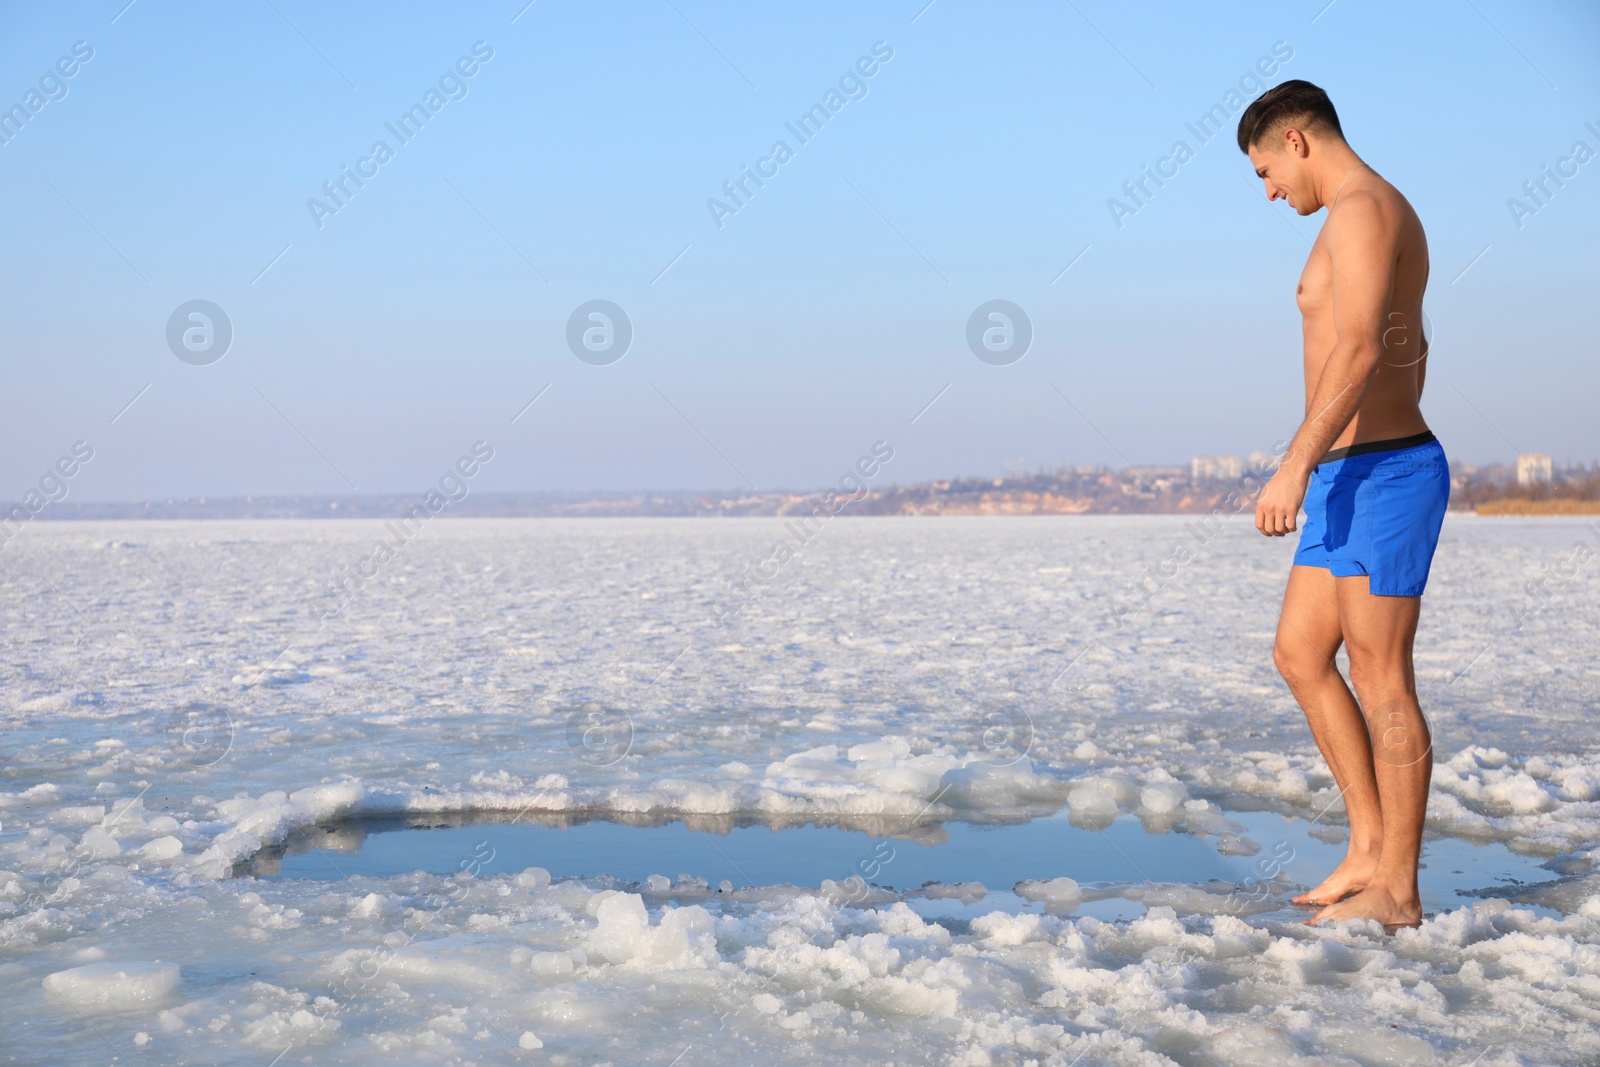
(1539, 507)
(1066, 491)
(379, 509)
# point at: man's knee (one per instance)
(1298, 661)
(1378, 675)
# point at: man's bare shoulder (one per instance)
(1375, 213)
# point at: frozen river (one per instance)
(184, 700)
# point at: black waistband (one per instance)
(1378, 446)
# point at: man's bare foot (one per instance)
(1392, 909)
(1351, 876)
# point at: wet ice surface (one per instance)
(172, 705)
(944, 870)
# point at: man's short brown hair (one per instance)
(1290, 103)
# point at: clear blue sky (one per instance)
(826, 313)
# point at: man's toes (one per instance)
(1315, 900)
(1331, 910)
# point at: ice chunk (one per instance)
(1056, 892)
(126, 815)
(533, 878)
(1235, 845)
(327, 801)
(114, 985)
(98, 844)
(82, 815)
(288, 1027)
(551, 964)
(966, 892)
(1520, 793)
(367, 907)
(622, 929)
(1163, 798)
(624, 933)
(684, 932)
(984, 785)
(162, 848)
(886, 749)
(1092, 797)
(529, 1041)
(1580, 783)
(1004, 929)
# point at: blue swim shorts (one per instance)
(1376, 509)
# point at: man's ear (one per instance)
(1295, 143)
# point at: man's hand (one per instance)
(1279, 504)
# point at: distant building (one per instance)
(1262, 461)
(1533, 468)
(1208, 468)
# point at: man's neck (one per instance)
(1335, 173)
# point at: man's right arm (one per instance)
(1362, 248)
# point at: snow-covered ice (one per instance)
(173, 703)
(114, 985)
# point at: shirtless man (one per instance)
(1374, 483)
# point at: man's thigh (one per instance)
(1378, 630)
(1309, 625)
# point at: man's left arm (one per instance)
(1362, 245)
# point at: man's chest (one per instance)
(1314, 292)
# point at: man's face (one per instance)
(1285, 177)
